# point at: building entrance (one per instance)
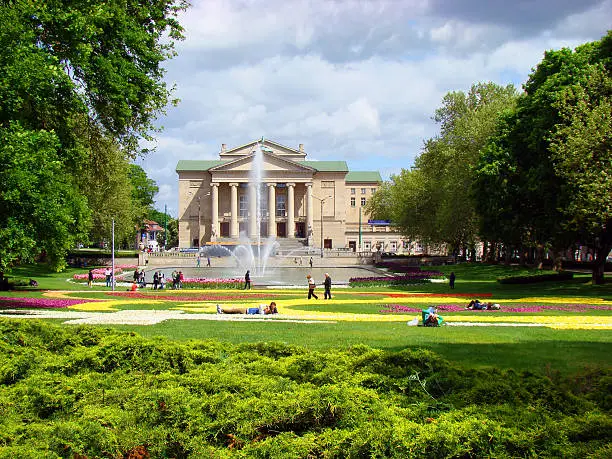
(300, 230)
(353, 246)
(281, 229)
(225, 229)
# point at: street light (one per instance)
(322, 200)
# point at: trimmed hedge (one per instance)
(536, 277)
(92, 392)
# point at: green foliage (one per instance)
(543, 180)
(433, 201)
(81, 83)
(40, 209)
(92, 392)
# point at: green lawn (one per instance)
(536, 349)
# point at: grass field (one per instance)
(577, 316)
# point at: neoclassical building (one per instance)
(299, 198)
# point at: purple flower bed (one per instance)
(197, 282)
(39, 303)
(399, 308)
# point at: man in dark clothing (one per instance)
(327, 285)
(451, 280)
(247, 280)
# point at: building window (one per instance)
(363, 191)
(373, 190)
(352, 190)
(393, 246)
(281, 205)
(363, 201)
(367, 245)
(243, 206)
(352, 202)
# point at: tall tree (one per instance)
(557, 148)
(70, 71)
(433, 201)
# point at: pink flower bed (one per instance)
(399, 308)
(39, 303)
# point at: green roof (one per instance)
(326, 166)
(185, 165)
(363, 176)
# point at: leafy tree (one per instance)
(74, 76)
(40, 209)
(581, 150)
(143, 191)
(433, 201)
(556, 152)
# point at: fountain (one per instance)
(253, 253)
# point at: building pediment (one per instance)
(267, 146)
(272, 165)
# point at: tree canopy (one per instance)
(433, 201)
(547, 170)
(80, 84)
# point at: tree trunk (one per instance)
(599, 263)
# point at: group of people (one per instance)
(478, 305)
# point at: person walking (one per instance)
(311, 287)
(90, 278)
(155, 280)
(198, 261)
(451, 280)
(107, 274)
(327, 285)
(208, 261)
(247, 280)
(310, 262)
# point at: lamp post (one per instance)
(199, 223)
(322, 200)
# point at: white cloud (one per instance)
(352, 80)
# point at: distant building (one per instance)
(298, 197)
(147, 235)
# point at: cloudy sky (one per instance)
(353, 80)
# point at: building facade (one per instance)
(320, 202)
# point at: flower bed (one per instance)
(211, 283)
(526, 308)
(39, 303)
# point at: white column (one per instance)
(272, 209)
(309, 211)
(234, 210)
(253, 211)
(215, 212)
(290, 211)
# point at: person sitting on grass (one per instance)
(270, 309)
(431, 317)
